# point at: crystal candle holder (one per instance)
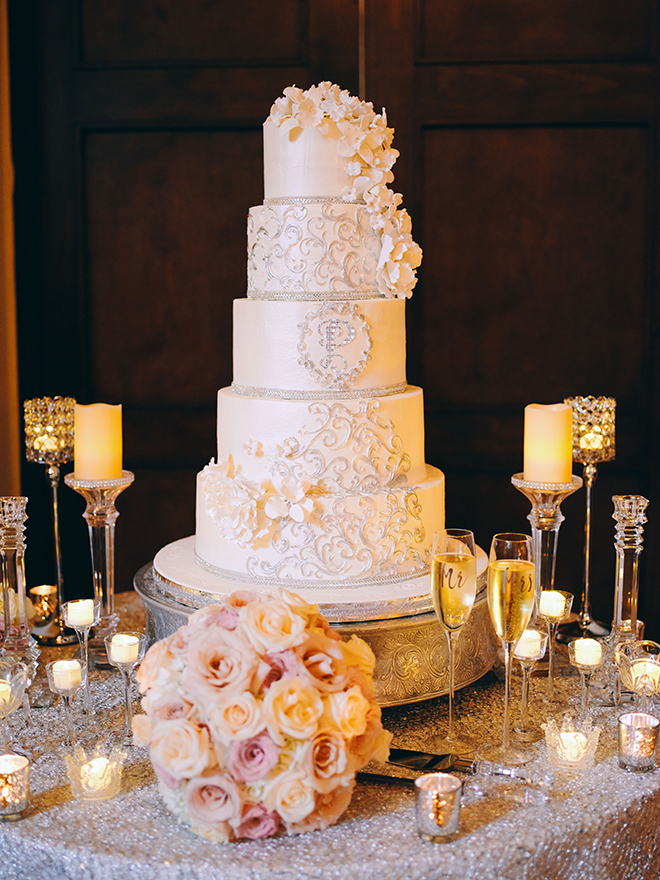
(17, 641)
(49, 427)
(95, 776)
(101, 516)
(66, 677)
(630, 516)
(553, 607)
(81, 615)
(639, 669)
(587, 656)
(638, 739)
(44, 602)
(14, 786)
(13, 681)
(528, 651)
(125, 650)
(571, 745)
(593, 442)
(545, 518)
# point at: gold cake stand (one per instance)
(411, 649)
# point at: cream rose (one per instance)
(220, 665)
(181, 748)
(143, 730)
(237, 719)
(154, 671)
(348, 710)
(327, 810)
(290, 795)
(292, 708)
(272, 626)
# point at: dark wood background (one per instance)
(528, 140)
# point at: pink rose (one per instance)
(273, 667)
(327, 810)
(155, 665)
(212, 799)
(167, 706)
(181, 748)
(166, 778)
(324, 661)
(257, 822)
(214, 615)
(252, 759)
(220, 664)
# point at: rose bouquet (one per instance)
(258, 716)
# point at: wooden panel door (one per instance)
(528, 139)
(143, 135)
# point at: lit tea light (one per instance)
(96, 777)
(592, 439)
(67, 674)
(638, 738)
(645, 674)
(80, 612)
(14, 785)
(571, 746)
(552, 604)
(529, 645)
(124, 648)
(94, 774)
(588, 652)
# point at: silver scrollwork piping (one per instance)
(326, 394)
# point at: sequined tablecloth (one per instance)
(603, 823)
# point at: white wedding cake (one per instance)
(320, 482)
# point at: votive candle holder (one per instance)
(14, 786)
(638, 738)
(95, 776)
(572, 744)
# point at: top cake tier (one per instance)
(304, 166)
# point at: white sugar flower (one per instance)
(289, 499)
(233, 503)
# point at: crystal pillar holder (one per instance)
(17, 641)
(593, 442)
(629, 514)
(545, 518)
(49, 423)
(101, 516)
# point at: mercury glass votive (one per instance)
(95, 776)
(572, 744)
(14, 786)
(438, 806)
(638, 738)
(44, 602)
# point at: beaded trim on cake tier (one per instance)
(325, 394)
(293, 583)
(312, 200)
(315, 295)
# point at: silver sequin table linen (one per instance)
(600, 825)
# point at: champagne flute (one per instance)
(453, 588)
(511, 597)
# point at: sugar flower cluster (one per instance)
(258, 716)
(365, 141)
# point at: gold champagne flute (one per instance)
(453, 588)
(511, 595)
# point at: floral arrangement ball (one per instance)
(258, 716)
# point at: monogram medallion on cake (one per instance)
(335, 344)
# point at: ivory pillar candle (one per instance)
(548, 446)
(97, 447)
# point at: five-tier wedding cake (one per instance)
(320, 483)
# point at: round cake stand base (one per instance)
(411, 652)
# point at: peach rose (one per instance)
(358, 653)
(298, 604)
(292, 708)
(143, 730)
(272, 626)
(220, 664)
(273, 667)
(324, 661)
(327, 760)
(237, 719)
(290, 795)
(181, 748)
(213, 799)
(327, 810)
(373, 744)
(155, 667)
(347, 710)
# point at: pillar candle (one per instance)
(124, 648)
(548, 447)
(67, 674)
(588, 652)
(80, 612)
(97, 442)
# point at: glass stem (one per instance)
(507, 688)
(68, 715)
(127, 705)
(586, 678)
(453, 638)
(552, 629)
(83, 638)
(524, 703)
(4, 735)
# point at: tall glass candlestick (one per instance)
(593, 442)
(629, 513)
(101, 516)
(546, 518)
(17, 642)
(49, 441)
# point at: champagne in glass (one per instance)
(453, 588)
(511, 596)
